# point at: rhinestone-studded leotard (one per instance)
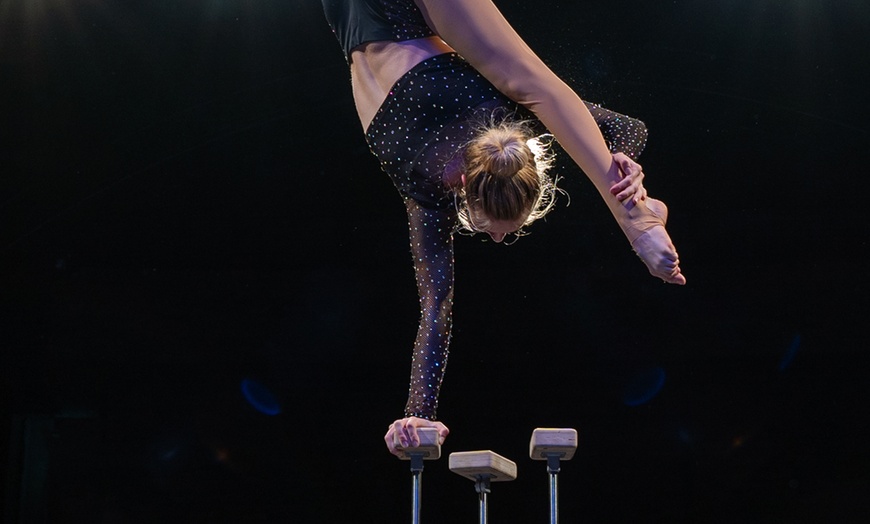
(422, 124)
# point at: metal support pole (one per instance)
(416, 489)
(553, 467)
(483, 468)
(553, 445)
(428, 448)
(482, 487)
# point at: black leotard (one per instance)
(418, 129)
(356, 22)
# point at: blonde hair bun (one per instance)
(503, 151)
(505, 168)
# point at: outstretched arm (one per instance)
(431, 234)
(478, 31)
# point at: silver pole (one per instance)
(482, 487)
(553, 467)
(416, 489)
(483, 507)
(415, 497)
(554, 499)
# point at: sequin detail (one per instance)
(415, 117)
(405, 19)
(623, 134)
(417, 130)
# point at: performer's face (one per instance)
(496, 229)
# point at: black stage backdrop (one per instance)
(194, 236)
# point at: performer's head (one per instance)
(505, 182)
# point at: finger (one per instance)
(443, 431)
(629, 192)
(633, 190)
(413, 438)
(627, 165)
(390, 439)
(628, 187)
(620, 159)
(620, 186)
(630, 168)
(400, 437)
(640, 194)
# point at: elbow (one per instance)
(437, 308)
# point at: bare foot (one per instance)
(655, 249)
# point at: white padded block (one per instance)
(553, 440)
(430, 445)
(475, 464)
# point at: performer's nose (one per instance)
(498, 237)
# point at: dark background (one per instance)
(187, 202)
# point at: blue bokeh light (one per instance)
(260, 397)
(790, 353)
(643, 386)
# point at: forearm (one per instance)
(565, 115)
(429, 360)
(432, 250)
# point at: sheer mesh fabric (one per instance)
(492, 62)
(431, 236)
(622, 134)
